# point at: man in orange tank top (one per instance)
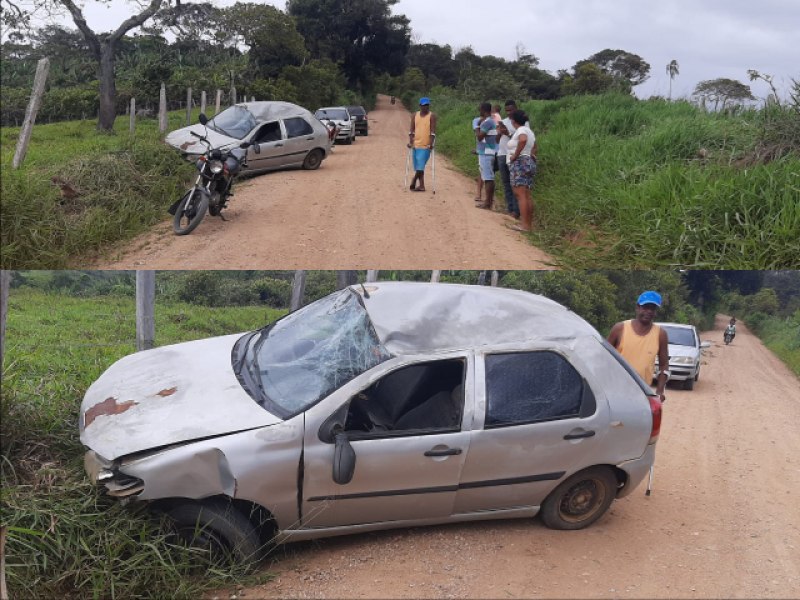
(421, 138)
(640, 340)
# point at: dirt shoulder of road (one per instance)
(354, 212)
(722, 521)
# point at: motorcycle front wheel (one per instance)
(191, 210)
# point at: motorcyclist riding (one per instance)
(730, 331)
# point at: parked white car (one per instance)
(685, 349)
(379, 406)
(345, 122)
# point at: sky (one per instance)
(708, 38)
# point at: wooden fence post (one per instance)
(482, 278)
(5, 282)
(435, 275)
(133, 116)
(188, 106)
(219, 99)
(203, 101)
(42, 68)
(162, 109)
(233, 95)
(495, 278)
(372, 276)
(298, 290)
(345, 278)
(145, 309)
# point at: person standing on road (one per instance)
(487, 150)
(640, 340)
(476, 125)
(421, 139)
(521, 162)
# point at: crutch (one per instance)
(433, 167)
(650, 481)
(405, 177)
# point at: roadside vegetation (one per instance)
(66, 327)
(626, 183)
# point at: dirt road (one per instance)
(723, 520)
(354, 212)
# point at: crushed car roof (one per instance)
(412, 318)
(267, 110)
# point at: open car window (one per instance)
(412, 400)
(268, 132)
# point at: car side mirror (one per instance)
(344, 459)
(203, 119)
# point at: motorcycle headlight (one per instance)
(215, 166)
(682, 360)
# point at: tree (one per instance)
(624, 67)
(362, 35)
(588, 79)
(672, 71)
(103, 47)
(722, 90)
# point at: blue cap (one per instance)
(424, 100)
(649, 297)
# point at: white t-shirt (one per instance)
(511, 147)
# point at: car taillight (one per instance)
(655, 409)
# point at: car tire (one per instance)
(222, 531)
(580, 500)
(688, 384)
(313, 160)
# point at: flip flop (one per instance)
(418, 190)
(483, 205)
(516, 227)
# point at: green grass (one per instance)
(65, 539)
(644, 184)
(781, 335)
(126, 186)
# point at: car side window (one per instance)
(528, 387)
(269, 132)
(297, 126)
(417, 399)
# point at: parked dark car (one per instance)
(360, 116)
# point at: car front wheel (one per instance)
(220, 530)
(580, 500)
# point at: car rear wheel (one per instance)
(580, 500)
(220, 530)
(313, 160)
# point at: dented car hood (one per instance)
(168, 395)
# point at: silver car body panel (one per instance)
(283, 153)
(144, 428)
(149, 399)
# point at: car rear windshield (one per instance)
(235, 122)
(308, 354)
(333, 113)
(356, 110)
(680, 336)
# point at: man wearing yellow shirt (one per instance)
(421, 138)
(640, 340)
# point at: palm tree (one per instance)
(672, 70)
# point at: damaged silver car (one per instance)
(379, 406)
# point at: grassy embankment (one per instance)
(780, 334)
(125, 186)
(65, 540)
(644, 184)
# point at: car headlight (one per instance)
(215, 166)
(682, 360)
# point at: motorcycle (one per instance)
(728, 337)
(217, 168)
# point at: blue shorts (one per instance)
(421, 156)
(486, 163)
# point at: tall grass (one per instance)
(624, 183)
(65, 539)
(124, 185)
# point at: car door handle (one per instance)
(444, 452)
(310, 139)
(577, 436)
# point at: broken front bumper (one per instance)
(104, 472)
